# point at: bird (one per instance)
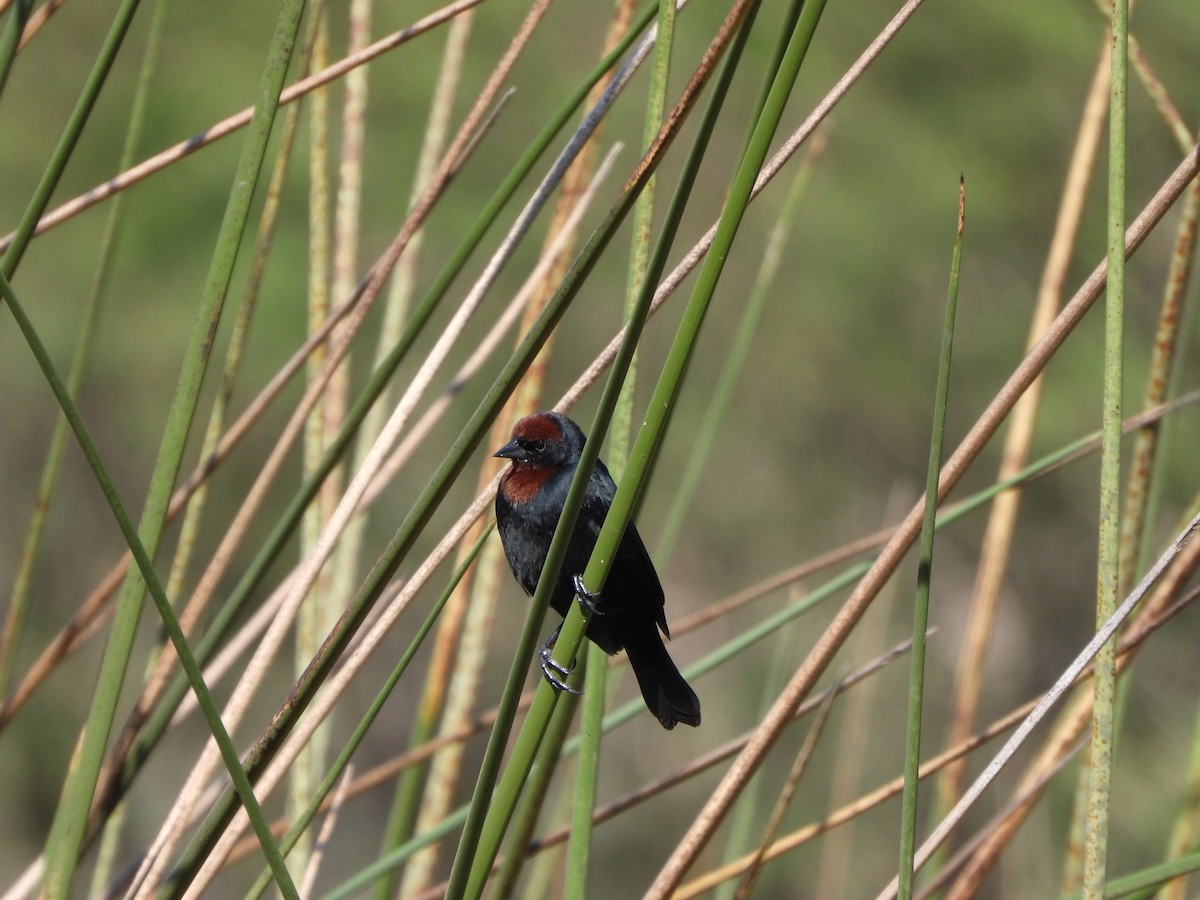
(543, 454)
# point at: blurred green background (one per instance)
(828, 436)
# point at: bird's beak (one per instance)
(512, 450)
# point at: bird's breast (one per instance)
(521, 484)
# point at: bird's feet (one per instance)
(554, 673)
(587, 599)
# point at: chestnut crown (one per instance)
(543, 440)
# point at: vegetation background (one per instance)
(826, 439)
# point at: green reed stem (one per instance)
(916, 678)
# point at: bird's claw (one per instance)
(589, 600)
(554, 672)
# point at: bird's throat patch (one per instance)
(522, 483)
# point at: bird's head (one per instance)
(543, 440)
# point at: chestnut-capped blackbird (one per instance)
(544, 451)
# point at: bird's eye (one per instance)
(537, 446)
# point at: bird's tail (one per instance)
(667, 694)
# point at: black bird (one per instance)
(544, 450)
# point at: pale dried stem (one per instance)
(997, 541)
(350, 160)
(318, 853)
(396, 307)
(1158, 379)
(37, 20)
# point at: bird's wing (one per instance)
(638, 578)
(632, 583)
